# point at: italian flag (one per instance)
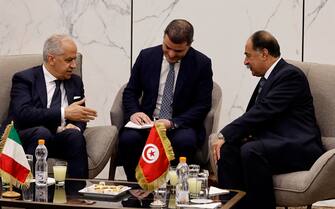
(155, 160)
(13, 162)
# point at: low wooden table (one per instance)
(69, 197)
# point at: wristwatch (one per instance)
(220, 136)
(173, 125)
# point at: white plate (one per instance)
(201, 201)
(157, 204)
(91, 191)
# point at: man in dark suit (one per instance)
(43, 106)
(277, 134)
(172, 70)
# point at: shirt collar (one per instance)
(165, 60)
(47, 75)
(268, 72)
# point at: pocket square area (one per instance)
(76, 98)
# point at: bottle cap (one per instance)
(41, 141)
(182, 159)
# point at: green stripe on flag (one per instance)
(13, 135)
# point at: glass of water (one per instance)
(28, 191)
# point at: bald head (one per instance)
(265, 40)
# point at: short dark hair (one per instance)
(180, 31)
(265, 40)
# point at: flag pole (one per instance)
(10, 193)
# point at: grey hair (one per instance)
(53, 45)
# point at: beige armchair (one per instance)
(211, 124)
(303, 188)
(100, 140)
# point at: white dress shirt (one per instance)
(164, 72)
(51, 87)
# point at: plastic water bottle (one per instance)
(41, 193)
(182, 191)
(41, 166)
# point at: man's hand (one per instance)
(216, 149)
(166, 122)
(70, 125)
(76, 112)
(140, 118)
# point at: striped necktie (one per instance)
(260, 86)
(166, 107)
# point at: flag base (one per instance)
(11, 194)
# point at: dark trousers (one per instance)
(249, 167)
(132, 141)
(69, 145)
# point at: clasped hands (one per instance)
(141, 118)
(77, 112)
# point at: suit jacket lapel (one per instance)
(69, 91)
(41, 86)
(271, 78)
(267, 85)
(253, 98)
(184, 72)
(156, 70)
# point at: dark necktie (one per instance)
(56, 98)
(167, 99)
(260, 86)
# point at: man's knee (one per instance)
(185, 138)
(41, 132)
(130, 138)
(76, 139)
(251, 150)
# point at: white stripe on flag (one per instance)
(16, 152)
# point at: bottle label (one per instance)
(41, 177)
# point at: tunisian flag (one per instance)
(155, 159)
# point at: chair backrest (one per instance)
(211, 122)
(321, 79)
(9, 65)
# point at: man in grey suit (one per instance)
(47, 102)
(278, 133)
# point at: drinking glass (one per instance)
(28, 191)
(59, 170)
(193, 170)
(59, 195)
(194, 185)
(172, 176)
(160, 196)
(203, 177)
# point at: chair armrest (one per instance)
(116, 112)
(101, 144)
